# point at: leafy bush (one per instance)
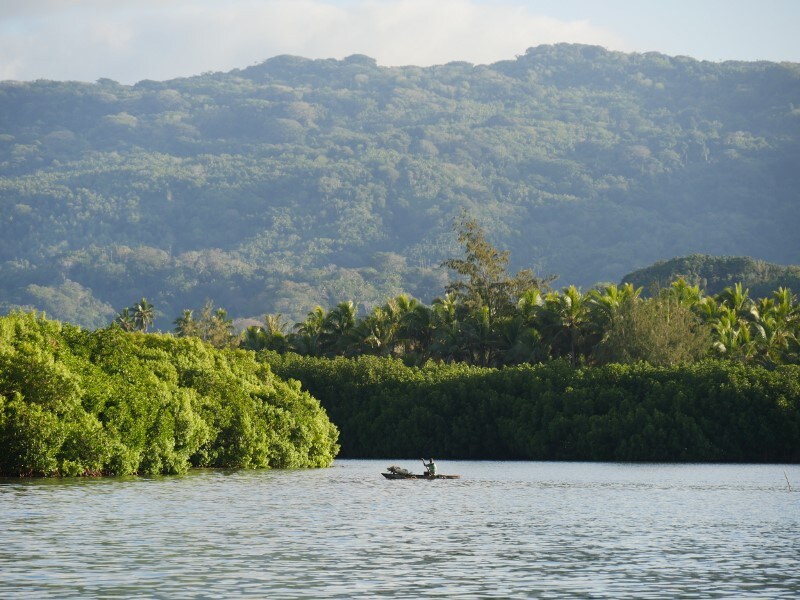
(75, 402)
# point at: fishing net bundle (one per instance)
(398, 470)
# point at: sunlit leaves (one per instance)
(74, 402)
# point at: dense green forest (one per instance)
(501, 366)
(295, 183)
(78, 402)
(74, 402)
(710, 411)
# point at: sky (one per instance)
(131, 40)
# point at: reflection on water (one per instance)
(505, 530)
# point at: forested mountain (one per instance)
(715, 273)
(298, 182)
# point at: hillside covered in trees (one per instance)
(297, 182)
(715, 273)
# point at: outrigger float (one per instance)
(401, 473)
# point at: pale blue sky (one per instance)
(129, 40)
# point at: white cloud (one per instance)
(421, 32)
(149, 39)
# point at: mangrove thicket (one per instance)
(76, 402)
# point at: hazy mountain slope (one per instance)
(296, 182)
(714, 273)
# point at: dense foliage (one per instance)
(490, 318)
(297, 182)
(605, 325)
(111, 402)
(710, 411)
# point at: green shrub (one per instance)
(74, 402)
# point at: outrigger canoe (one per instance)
(414, 476)
(400, 473)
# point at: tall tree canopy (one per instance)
(483, 280)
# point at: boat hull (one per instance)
(412, 476)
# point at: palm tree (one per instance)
(478, 337)
(529, 304)
(417, 331)
(400, 311)
(707, 309)
(185, 325)
(604, 306)
(738, 300)
(125, 320)
(143, 314)
(684, 294)
(517, 342)
(446, 344)
(776, 327)
(786, 309)
(254, 338)
(742, 328)
(275, 336)
(308, 338)
(376, 332)
(564, 319)
(337, 328)
(274, 324)
(732, 337)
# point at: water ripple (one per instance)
(506, 530)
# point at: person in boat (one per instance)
(430, 466)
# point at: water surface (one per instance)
(505, 530)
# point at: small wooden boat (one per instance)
(414, 476)
(401, 473)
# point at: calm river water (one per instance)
(505, 530)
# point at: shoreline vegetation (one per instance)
(109, 402)
(501, 367)
(711, 411)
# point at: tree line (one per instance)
(605, 375)
(490, 318)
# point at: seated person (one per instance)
(430, 466)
